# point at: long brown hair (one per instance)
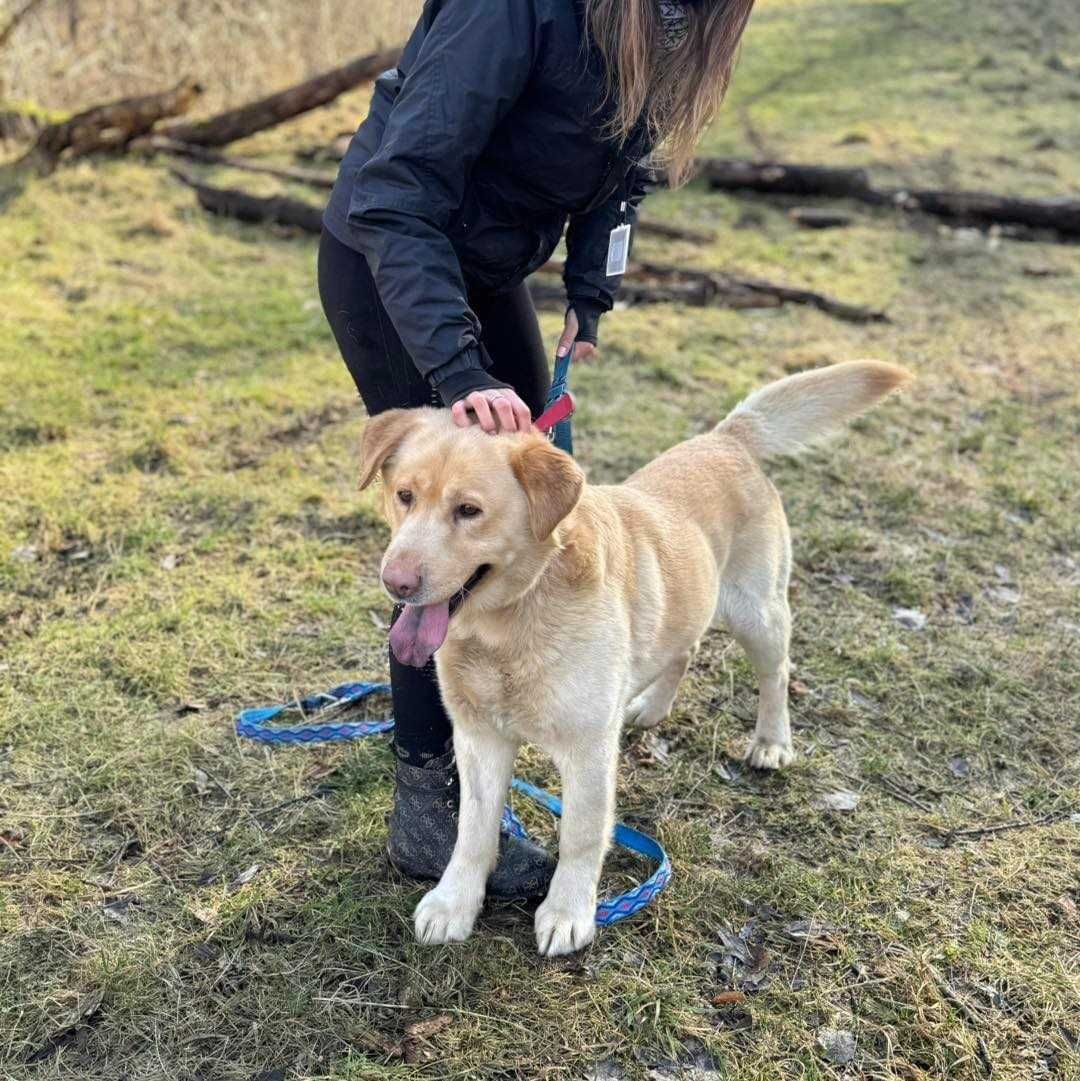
(676, 90)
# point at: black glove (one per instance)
(588, 314)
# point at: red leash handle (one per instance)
(561, 409)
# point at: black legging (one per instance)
(386, 378)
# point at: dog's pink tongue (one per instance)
(419, 631)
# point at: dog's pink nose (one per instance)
(402, 578)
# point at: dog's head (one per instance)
(472, 516)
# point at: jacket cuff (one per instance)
(588, 311)
(463, 374)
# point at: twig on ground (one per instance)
(968, 1014)
(162, 144)
(980, 831)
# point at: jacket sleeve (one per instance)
(589, 290)
(470, 68)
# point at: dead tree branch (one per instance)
(246, 120)
(644, 283)
(1061, 216)
(657, 283)
(274, 209)
(107, 127)
(161, 144)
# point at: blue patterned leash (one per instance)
(559, 406)
(256, 724)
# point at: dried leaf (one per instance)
(837, 1044)
(169, 562)
(418, 1033)
(26, 554)
(430, 1026)
(959, 767)
(118, 910)
(729, 998)
(840, 800)
(911, 618)
(652, 749)
(734, 945)
(244, 877)
(812, 930)
(797, 689)
(84, 1012)
(202, 781)
(1004, 594)
(606, 1070)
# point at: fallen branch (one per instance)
(783, 178)
(106, 127)
(1061, 216)
(161, 144)
(246, 120)
(1003, 827)
(644, 283)
(969, 1015)
(657, 283)
(274, 209)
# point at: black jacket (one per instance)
(478, 147)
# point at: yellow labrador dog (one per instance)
(557, 610)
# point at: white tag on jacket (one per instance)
(618, 250)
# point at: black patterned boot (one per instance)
(423, 829)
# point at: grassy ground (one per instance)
(180, 536)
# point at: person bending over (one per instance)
(504, 123)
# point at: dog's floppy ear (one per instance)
(552, 481)
(382, 436)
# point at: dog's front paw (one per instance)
(765, 754)
(564, 928)
(443, 915)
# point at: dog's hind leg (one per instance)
(762, 626)
(485, 761)
(654, 703)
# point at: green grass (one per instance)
(177, 448)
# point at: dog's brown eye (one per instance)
(405, 496)
(467, 510)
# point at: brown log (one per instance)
(107, 127)
(982, 208)
(238, 123)
(161, 144)
(1061, 216)
(784, 178)
(659, 283)
(644, 283)
(274, 209)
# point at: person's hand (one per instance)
(584, 350)
(495, 410)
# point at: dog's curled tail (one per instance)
(789, 415)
